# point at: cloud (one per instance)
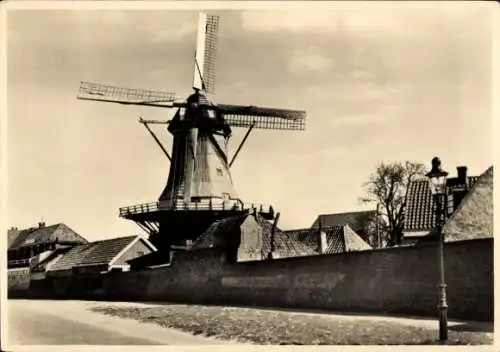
(311, 59)
(294, 20)
(398, 19)
(317, 19)
(175, 35)
(384, 115)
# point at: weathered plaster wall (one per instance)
(18, 279)
(251, 245)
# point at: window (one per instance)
(140, 253)
(219, 171)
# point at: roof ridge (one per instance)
(349, 212)
(114, 238)
(301, 229)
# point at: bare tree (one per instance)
(388, 187)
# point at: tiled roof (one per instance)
(356, 220)
(222, 233)
(419, 212)
(43, 234)
(339, 239)
(94, 253)
(291, 243)
(286, 245)
(226, 233)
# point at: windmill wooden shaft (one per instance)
(199, 189)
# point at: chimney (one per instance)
(462, 175)
(271, 253)
(12, 233)
(41, 224)
(322, 242)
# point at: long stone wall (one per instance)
(399, 280)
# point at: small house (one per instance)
(469, 209)
(98, 257)
(29, 247)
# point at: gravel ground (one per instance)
(261, 326)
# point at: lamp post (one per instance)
(437, 183)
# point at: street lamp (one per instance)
(437, 184)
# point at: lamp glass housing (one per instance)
(437, 184)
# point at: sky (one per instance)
(380, 83)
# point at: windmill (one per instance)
(199, 188)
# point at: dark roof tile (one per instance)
(356, 220)
(339, 239)
(222, 233)
(93, 253)
(419, 212)
(31, 236)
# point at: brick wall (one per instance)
(398, 280)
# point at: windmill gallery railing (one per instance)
(183, 206)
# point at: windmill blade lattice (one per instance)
(113, 94)
(209, 72)
(263, 118)
(206, 49)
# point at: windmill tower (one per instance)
(199, 187)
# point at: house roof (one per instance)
(94, 253)
(339, 239)
(221, 233)
(226, 233)
(34, 235)
(285, 245)
(356, 220)
(419, 212)
(291, 243)
(474, 216)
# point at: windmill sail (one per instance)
(263, 118)
(113, 94)
(206, 46)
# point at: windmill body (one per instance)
(199, 169)
(199, 188)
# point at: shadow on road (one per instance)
(473, 327)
